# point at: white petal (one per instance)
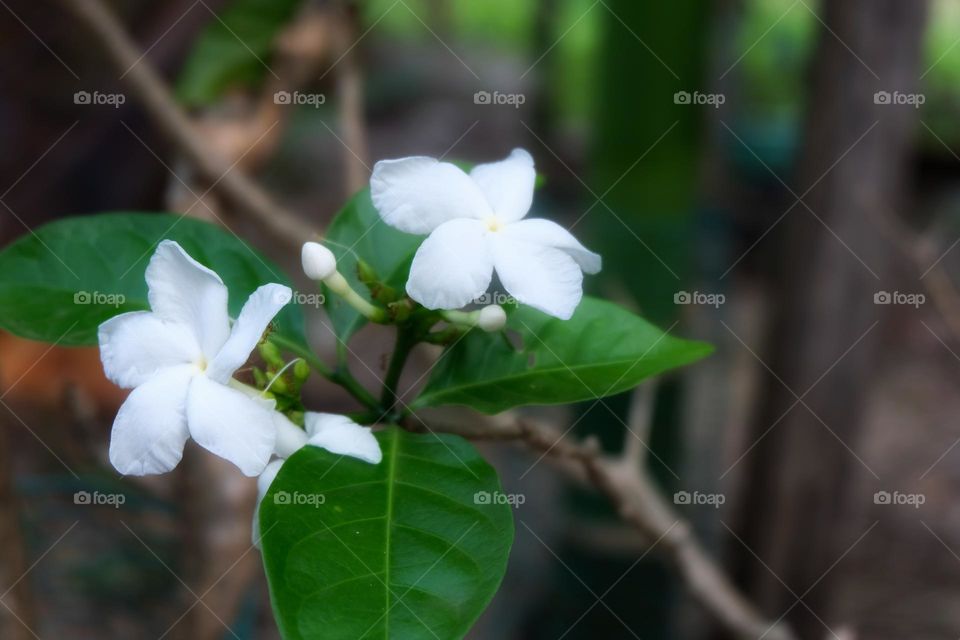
(257, 312)
(419, 194)
(290, 437)
(183, 291)
(551, 234)
(340, 434)
(230, 424)
(263, 485)
(543, 277)
(508, 184)
(135, 345)
(452, 267)
(151, 427)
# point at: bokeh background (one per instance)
(778, 177)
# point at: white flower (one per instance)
(335, 433)
(492, 318)
(475, 225)
(179, 359)
(318, 262)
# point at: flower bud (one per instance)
(301, 370)
(492, 318)
(271, 355)
(365, 272)
(319, 263)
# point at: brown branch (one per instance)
(233, 185)
(639, 503)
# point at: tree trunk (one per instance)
(824, 336)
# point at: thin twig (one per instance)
(156, 97)
(639, 503)
(640, 423)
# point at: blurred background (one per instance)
(778, 177)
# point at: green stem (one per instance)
(405, 343)
(341, 376)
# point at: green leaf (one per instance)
(602, 350)
(408, 548)
(234, 49)
(359, 231)
(59, 282)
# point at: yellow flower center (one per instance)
(493, 223)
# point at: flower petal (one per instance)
(183, 291)
(551, 234)
(543, 277)
(340, 434)
(418, 194)
(230, 424)
(290, 437)
(135, 345)
(263, 485)
(151, 427)
(452, 267)
(257, 312)
(508, 184)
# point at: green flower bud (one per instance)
(271, 355)
(301, 370)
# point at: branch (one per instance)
(233, 185)
(639, 503)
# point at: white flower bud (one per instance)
(492, 318)
(319, 263)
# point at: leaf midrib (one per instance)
(388, 521)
